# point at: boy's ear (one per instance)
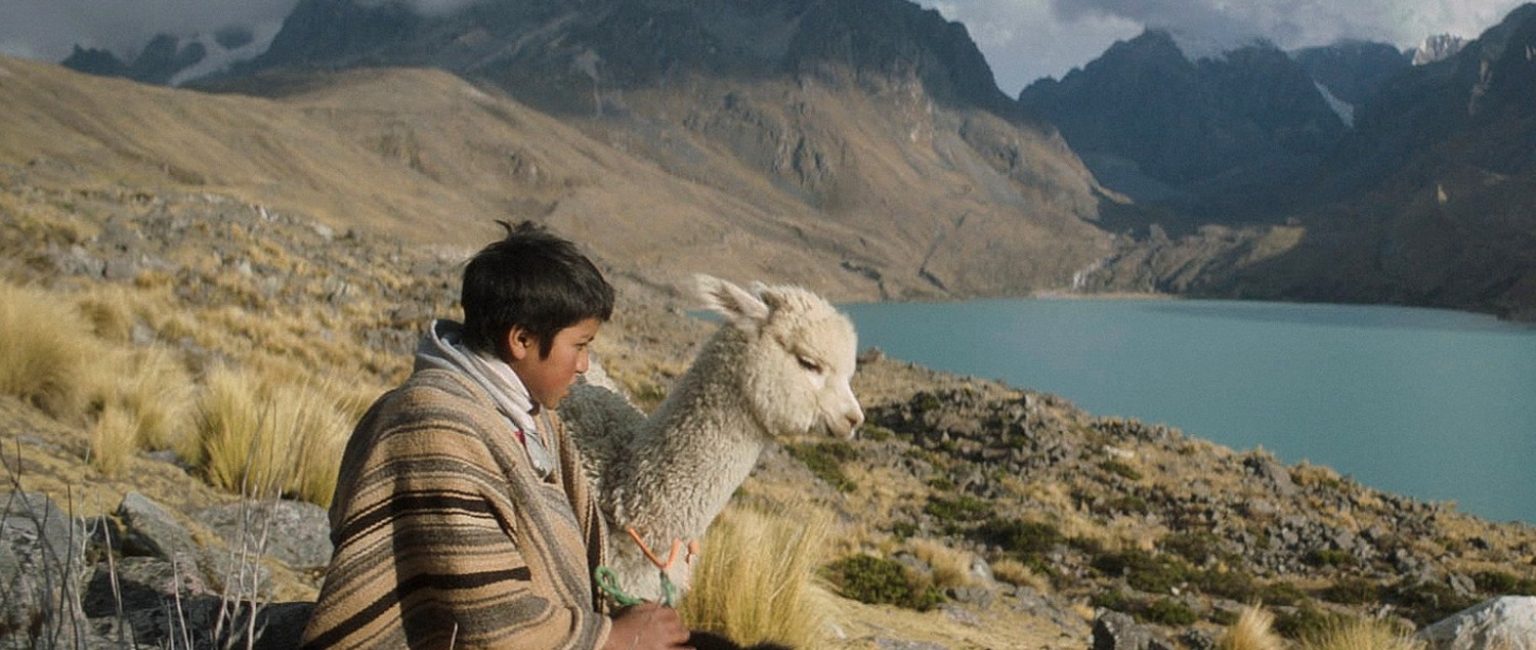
(521, 343)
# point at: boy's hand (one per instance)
(647, 626)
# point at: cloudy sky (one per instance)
(1022, 39)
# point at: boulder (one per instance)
(296, 533)
(41, 570)
(139, 583)
(1508, 623)
(1116, 631)
(151, 530)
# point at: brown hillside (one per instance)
(860, 194)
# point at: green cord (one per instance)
(608, 582)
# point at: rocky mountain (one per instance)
(166, 59)
(1214, 136)
(1437, 48)
(1427, 201)
(862, 147)
(1351, 71)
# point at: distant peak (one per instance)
(1438, 48)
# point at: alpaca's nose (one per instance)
(855, 418)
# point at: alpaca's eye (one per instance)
(808, 364)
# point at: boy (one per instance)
(461, 515)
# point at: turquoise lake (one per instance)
(1438, 405)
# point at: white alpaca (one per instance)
(779, 365)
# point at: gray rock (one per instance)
(1197, 640)
(980, 596)
(141, 583)
(296, 533)
(236, 573)
(150, 529)
(960, 615)
(1116, 631)
(206, 622)
(1508, 623)
(902, 644)
(981, 570)
(41, 570)
(1273, 473)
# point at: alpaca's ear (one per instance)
(768, 295)
(736, 304)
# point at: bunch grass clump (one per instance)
(269, 438)
(1360, 634)
(1253, 630)
(113, 440)
(951, 568)
(49, 356)
(755, 581)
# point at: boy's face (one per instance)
(548, 379)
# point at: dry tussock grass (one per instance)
(1019, 574)
(158, 391)
(47, 354)
(1254, 630)
(113, 440)
(1361, 634)
(253, 426)
(110, 311)
(951, 568)
(755, 581)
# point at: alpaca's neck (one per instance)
(696, 449)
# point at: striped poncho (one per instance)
(445, 536)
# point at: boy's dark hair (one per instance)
(533, 280)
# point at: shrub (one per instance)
(1198, 547)
(755, 580)
(941, 483)
(1302, 622)
(1253, 630)
(1352, 591)
(869, 579)
(1167, 611)
(1504, 584)
(1164, 611)
(875, 433)
(1121, 469)
(48, 355)
(959, 509)
(1281, 593)
(1129, 503)
(1025, 539)
(1232, 585)
(825, 460)
(1428, 601)
(1143, 570)
(1328, 558)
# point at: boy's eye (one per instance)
(808, 364)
